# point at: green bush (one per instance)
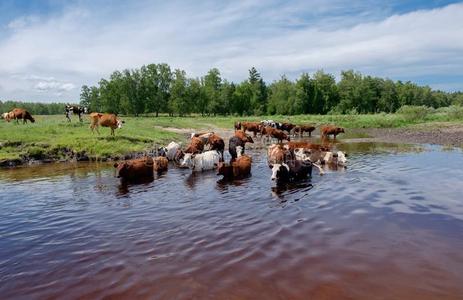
(415, 113)
(455, 112)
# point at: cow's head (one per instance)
(122, 169)
(119, 123)
(340, 129)
(341, 158)
(279, 171)
(249, 139)
(162, 151)
(188, 161)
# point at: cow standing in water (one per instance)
(75, 109)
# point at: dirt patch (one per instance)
(443, 135)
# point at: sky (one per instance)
(49, 49)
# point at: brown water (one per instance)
(388, 227)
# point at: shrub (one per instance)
(455, 112)
(415, 113)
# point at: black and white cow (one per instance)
(75, 109)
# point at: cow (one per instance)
(330, 130)
(291, 171)
(243, 136)
(105, 120)
(237, 125)
(215, 142)
(279, 135)
(196, 146)
(204, 136)
(6, 116)
(270, 123)
(75, 109)
(286, 127)
(277, 153)
(303, 128)
(135, 169)
(19, 113)
(302, 144)
(253, 127)
(202, 161)
(239, 168)
(169, 151)
(334, 158)
(161, 164)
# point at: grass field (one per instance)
(53, 137)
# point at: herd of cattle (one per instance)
(289, 161)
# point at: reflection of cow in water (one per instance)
(75, 109)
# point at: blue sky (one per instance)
(49, 49)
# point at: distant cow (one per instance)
(254, 127)
(201, 162)
(239, 168)
(135, 169)
(299, 130)
(75, 109)
(161, 164)
(104, 120)
(286, 127)
(331, 130)
(19, 113)
(237, 125)
(279, 135)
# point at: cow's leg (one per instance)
(80, 117)
(112, 132)
(320, 169)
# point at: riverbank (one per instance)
(53, 139)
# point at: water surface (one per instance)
(388, 227)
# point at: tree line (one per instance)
(34, 108)
(155, 88)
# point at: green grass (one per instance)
(53, 136)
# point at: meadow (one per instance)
(52, 137)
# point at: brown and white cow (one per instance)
(104, 120)
(161, 164)
(196, 146)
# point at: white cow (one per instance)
(338, 158)
(169, 151)
(201, 162)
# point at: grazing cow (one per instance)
(279, 135)
(215, 142)
(237, 125)
(303, 128)
(196, 146)
(286, 127)
(201, 162)
(291, 171)
(75, 109)
(19, 113)
(243, 136)
(239, 168)
(161, 164)
(331, 130)
(135, 169)
(104, 120)
(254, 127)
(169, 151)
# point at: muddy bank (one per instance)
(448, 135)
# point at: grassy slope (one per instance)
(52, 132)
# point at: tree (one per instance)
(212, 82)
(178, 92)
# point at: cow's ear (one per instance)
(270, 166)
(115, 165)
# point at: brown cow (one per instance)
(237, 125)
(303, 128)
(19, 113)
(104, 120)
(254, 127)
(161, 164)
(239, 168)
(306, 145)
(243, 136)
(286, 127)
(279, 135)
(204, 136)
(331, 130)
(196, 146)
(135, 169)
(216, 143)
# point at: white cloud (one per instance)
(82, 44)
